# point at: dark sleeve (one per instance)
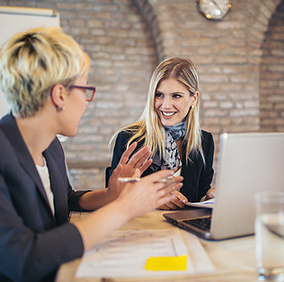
(119, 148)
(207, 173)
(30, 256)
(197, 176)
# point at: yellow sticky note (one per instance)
(166, 263)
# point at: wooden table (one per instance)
(234, 259)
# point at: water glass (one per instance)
(269, 235)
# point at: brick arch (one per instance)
(228, 68)
(271, 94)
(229, 71)
(146, 10)
(259, 12)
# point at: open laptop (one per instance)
(247, 163)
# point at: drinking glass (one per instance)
(269, 235)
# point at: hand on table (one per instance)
(209, 195)
(177, 202)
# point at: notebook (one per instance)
(247, 163)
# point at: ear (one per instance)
(195, 98)
(58, 95)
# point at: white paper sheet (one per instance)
(205, 204)
(125, 253)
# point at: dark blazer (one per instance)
(33, 242)
(197, 176)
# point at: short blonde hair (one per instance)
(32, 62)
(149, 127)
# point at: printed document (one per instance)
(125, 252)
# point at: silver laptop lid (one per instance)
(247, 163)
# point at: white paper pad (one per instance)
(205, 204)
(125, 253)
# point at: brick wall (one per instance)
(127, 38)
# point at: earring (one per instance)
(60, 109)
(192, 107)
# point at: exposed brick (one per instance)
(240, 62)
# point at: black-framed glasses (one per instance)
(89, 91)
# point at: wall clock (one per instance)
(214, 9)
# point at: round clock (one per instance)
(214, 9)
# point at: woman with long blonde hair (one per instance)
(169, 125)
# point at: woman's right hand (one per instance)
(133, 167)
(135, 199)
(148, 194)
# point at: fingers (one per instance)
(164, 202)
(125, 156)
(210, 194)
(118, 173)
(115, 174)
(139, 158)
(180, 197)
(145, 166)
(164, 207)
(169, 206)
(163, 187)
(177, 202)
(148, 194)
(162, 174)
(168, 193)
(170, 187)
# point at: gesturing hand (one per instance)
(138, 160)
(133, 167)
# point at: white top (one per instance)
(44, 175)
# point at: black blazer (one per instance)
(33, 242)
(197, 176)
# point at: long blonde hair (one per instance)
(149, 127)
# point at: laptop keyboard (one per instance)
(201, 223)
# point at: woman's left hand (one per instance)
(134, 167)
(138, 160)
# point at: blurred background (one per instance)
(240, 61)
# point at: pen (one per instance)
(135, 179)
(128, 179)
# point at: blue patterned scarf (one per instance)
(170, 159)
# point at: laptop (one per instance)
(247, 163)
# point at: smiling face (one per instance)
(173, 101)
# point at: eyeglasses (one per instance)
(89, 91)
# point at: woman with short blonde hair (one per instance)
(46, 57)
(43, 74)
